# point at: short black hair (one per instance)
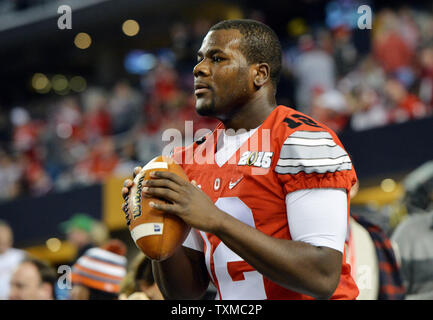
(260, 44)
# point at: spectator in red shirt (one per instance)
(426, 82)
(331, 109)
(389, 46)
(103, 160)
(405, 104)
(97, 119)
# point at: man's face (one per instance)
(78, 237)
(26, 283)
(5, 239)
(222, 76)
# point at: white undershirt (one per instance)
(227, 145)
(314, 216)
(318, 217)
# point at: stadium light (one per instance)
(60, 83)
(53, 244)
(388, 185)
(78, 84)
(41, 83)
(130, 28)
(82, 40)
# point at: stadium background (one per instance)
(79, 111)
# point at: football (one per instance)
(156, 234)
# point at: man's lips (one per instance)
(201, 91)
(200, 88)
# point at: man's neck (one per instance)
(252, 114)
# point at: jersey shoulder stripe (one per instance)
(311, 152)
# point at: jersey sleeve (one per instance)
(314, 159)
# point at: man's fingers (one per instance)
(125, 192)
(170, 208)
(127, 184)
(162, 183)
(167, 175)
(163, 193)
(125, 210)
(136, 171)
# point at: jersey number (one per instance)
(302, 119)
(236, 278)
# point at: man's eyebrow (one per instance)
(210, 52)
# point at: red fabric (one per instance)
(392, 52)
(258, 198)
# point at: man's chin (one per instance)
(204, 109)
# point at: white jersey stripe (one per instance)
(311, 135)
(313, 162)
(311, 152)
(316, 169)
(309, 142)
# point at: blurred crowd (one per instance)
(100, 270)
(345, 86)
(103, 268)
(81, 140)
(328, 73)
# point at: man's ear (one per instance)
(262, 74)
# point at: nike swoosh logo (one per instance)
(233, 184)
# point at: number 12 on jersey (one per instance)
(235, 278)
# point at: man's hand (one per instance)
(126, 190)
(193, 281)
(185, 199)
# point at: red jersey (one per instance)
(288, 152)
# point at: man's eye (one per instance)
(217, 59)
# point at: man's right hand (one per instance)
(127, 185)
(193, 281)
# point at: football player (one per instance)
(268, 205)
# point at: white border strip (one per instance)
(146, 229)
(155, 165)
(150, 166)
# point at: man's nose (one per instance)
(201, 69)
